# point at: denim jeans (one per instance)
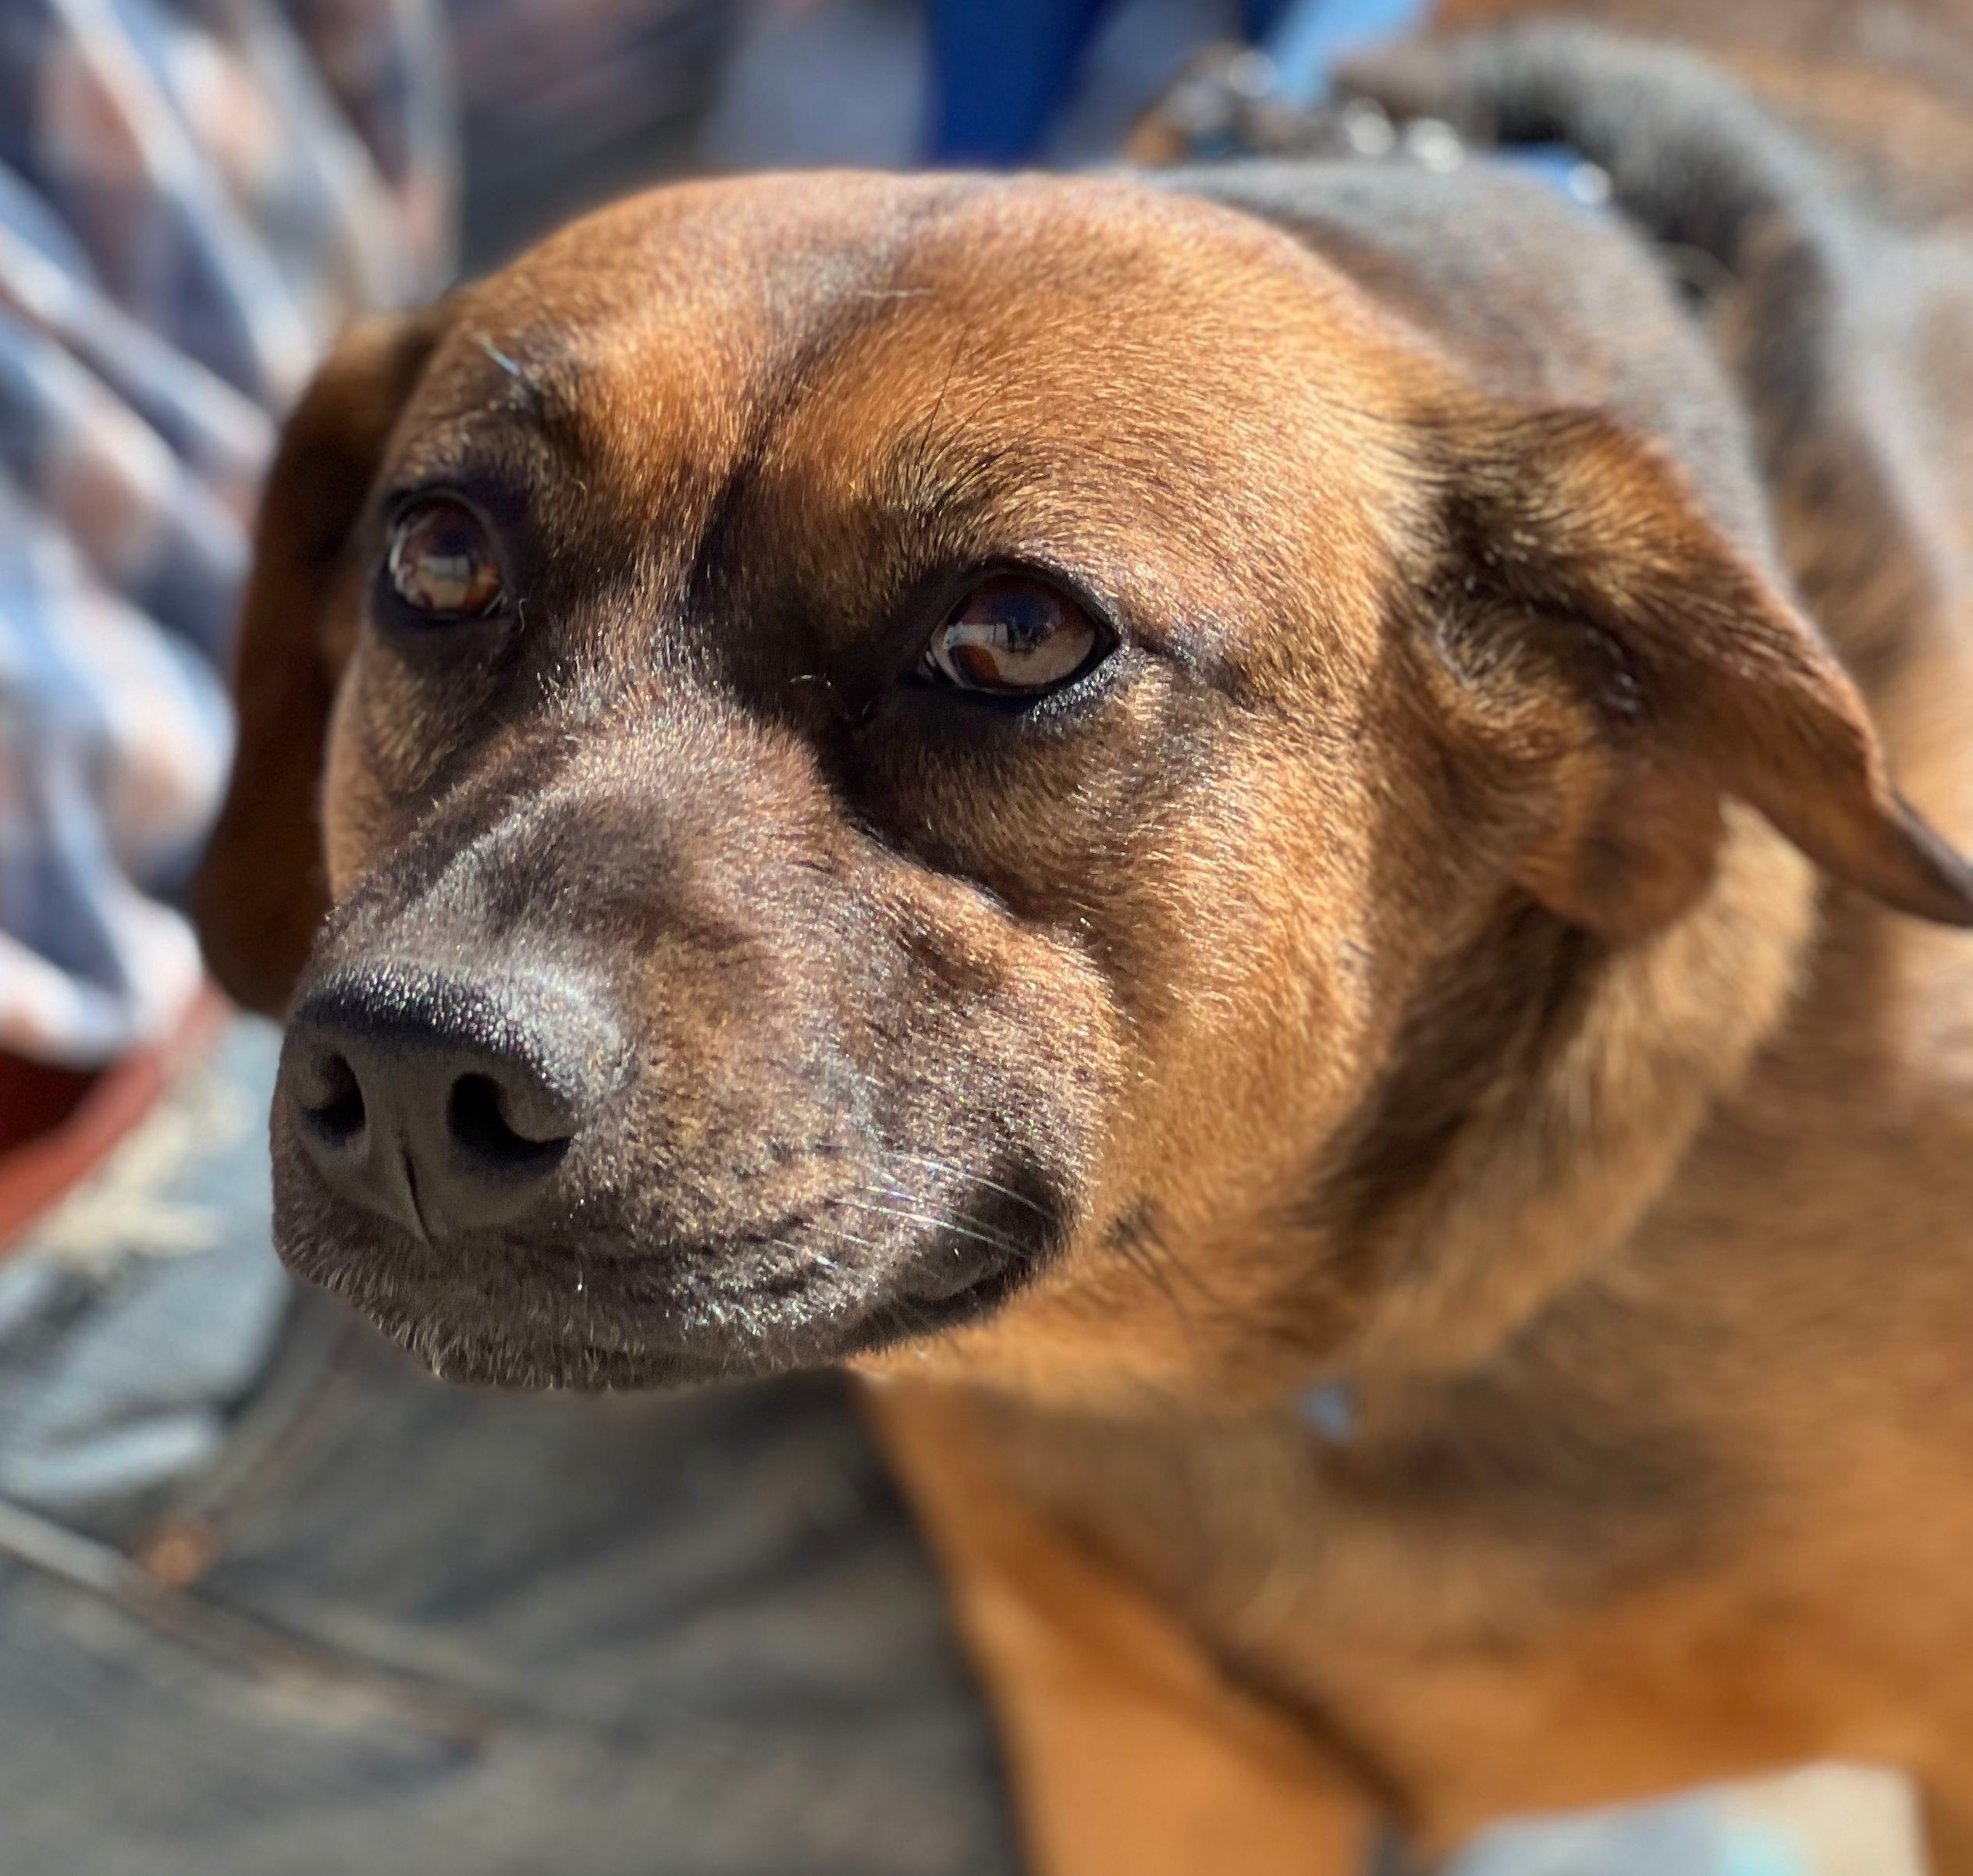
(274, 1603)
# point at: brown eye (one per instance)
(442, 560)
(1011, 636)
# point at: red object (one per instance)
(57, 1125)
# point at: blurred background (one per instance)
(622, 94)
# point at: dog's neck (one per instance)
(1520, 1139)
(1547, 1090)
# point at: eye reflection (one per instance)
(442, 561)
(1012, 637)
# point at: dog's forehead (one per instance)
(684, 316)
(786, 256)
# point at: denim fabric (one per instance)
(424, 1629)
(133, 1314)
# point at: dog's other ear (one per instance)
(1611, 653)
(261, 892)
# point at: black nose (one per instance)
(445, 1103)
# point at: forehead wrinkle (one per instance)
(783, 387)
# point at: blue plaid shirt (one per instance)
(193, 196)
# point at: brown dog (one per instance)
(1136, 799)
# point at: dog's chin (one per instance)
(510, 1314)
(471, 1346)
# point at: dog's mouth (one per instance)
(580, 1310)
(509, 1177)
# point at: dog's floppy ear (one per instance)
(261, 893)
(1611, 652)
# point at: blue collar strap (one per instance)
(1331, 1411)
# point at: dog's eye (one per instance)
(442, 560)
(1009, 637)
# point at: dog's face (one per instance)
(895, 749)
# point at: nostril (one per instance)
(447, 1104)
(330, 1097)
(482, 1117)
